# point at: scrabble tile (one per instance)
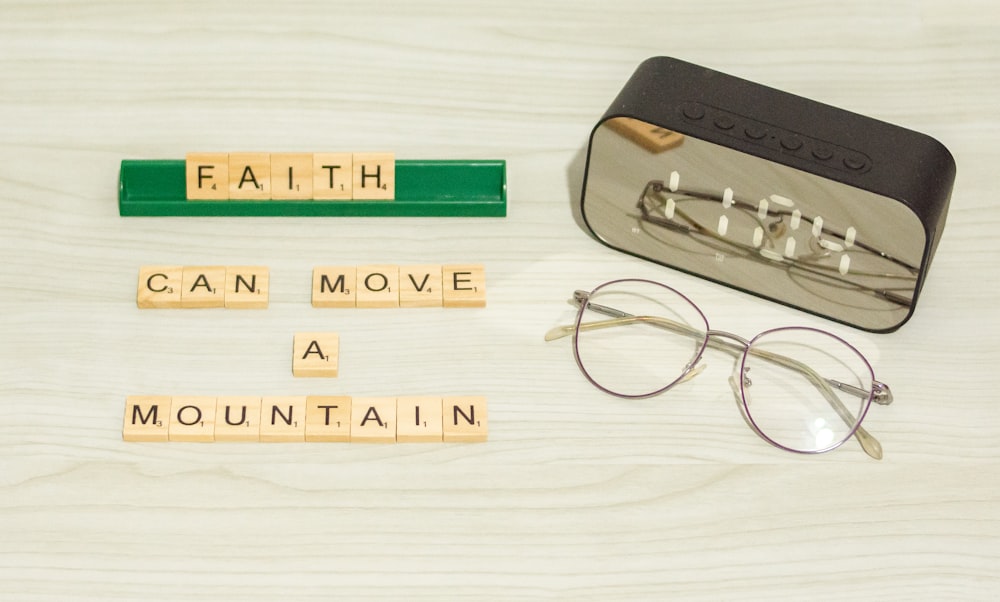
(418, 420)
(651, 137)
(192, 419)
(147, 418)
(334, 287)
(237, 419)
(374, 176)
(203, 286)
(465, 419)
(378, 286)
(159, 287)
(420, 286)
(464, 285)
(315, 354)
(291, 176)
(373, 419)
(328, 418)
(247, 287)
(283, 419)
(333, 176)
(250, 176)
(207, 176)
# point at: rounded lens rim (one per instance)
(687, 369)
(866, 404)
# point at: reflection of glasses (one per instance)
(802, 389)
(771, 231)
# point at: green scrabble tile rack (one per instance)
(423, 189)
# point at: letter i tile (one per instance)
(418, 420)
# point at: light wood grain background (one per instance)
(576, 495)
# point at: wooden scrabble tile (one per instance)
(418, 420)
(333, 176)
(373, 419)
(237, 419)
(651, 137)
(420, 286)
(159, 287)
(378, 286)
(207, 176)
(334, 287)
(464, 285)
(147, 418)
(328, 418)
(203, 286)
(247, 287)
(374, 176)
(192, 419)
(315, 354)
(250, 176)
(465, 419)
(291, 176)
(283, 419)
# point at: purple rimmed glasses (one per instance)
(801, 389)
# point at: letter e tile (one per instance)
(465, 419)
(464, 285)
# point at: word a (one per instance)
(417, 419)
(290, 176)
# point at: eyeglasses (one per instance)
(801, 389)
(814, 255)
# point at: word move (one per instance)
(290, 176)
(400, 286)
(416, 419)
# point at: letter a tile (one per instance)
(373, 419)
(315, 354)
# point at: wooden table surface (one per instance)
(576, 495)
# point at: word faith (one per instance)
(290, 176)
(415, 419)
